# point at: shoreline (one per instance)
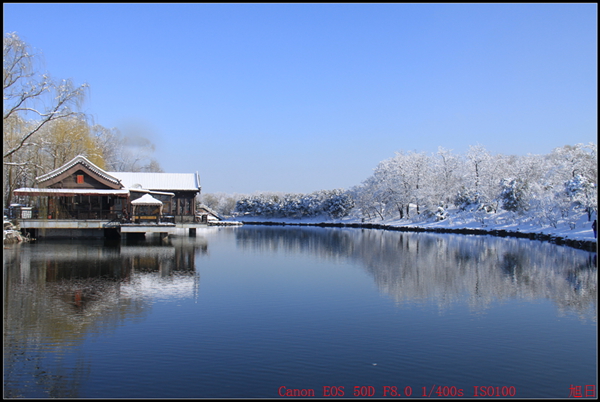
(586, 245)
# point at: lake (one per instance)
(272, 312)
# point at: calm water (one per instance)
(243, 312)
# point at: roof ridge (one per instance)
(84, 161)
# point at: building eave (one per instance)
(85, 162)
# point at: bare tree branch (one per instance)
(22, 89)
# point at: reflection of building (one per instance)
(81, 191)
(57, 294)
(82, 270)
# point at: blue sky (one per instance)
(304, 97)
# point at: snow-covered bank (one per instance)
(12, 234)
(576, 233)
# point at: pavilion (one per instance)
(81, 191)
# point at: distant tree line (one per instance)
(43, 128)
(415, 186)
(545, 186)
(332, 203)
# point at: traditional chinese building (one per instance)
(177, 191)
(81, 191)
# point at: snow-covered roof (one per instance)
(159, 181)
(151, 192)
(82, 160)
(132, 180)
(146, 199)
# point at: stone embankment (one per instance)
(587, 245)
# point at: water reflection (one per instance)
(60, 298)
(420, 267)
(57, 293)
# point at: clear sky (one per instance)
(304, 97)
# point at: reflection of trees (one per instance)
(56, 293)
(484, 268)
(321, 242)
(418, 267)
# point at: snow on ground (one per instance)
(576, 228)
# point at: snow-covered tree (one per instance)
(334, 203)
(365, 200)
(537, 187)
(338, 203)
(418, 166)
(485, 173)
(514, 195)
(222, 203)
(583, 193)
(571, 160)
(467, 199)
(447, 176)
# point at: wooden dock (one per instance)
(98, 228)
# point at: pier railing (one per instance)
(103, 215)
